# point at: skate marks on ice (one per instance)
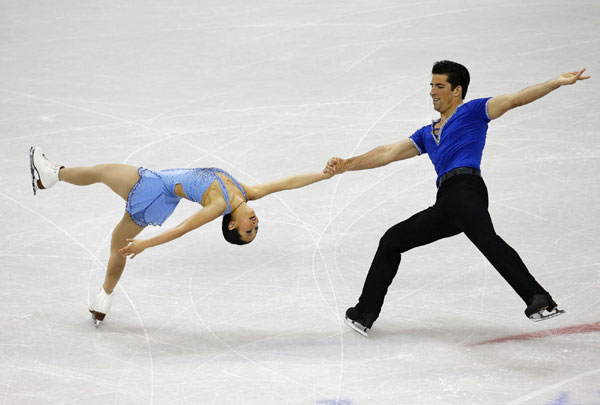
(564, 397)
(95, 260)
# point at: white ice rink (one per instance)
(266, 89)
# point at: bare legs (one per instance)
(125, 229)
(120, 178)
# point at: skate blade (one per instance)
(95, 321)
(97, 317)
(543, 314)
(357, 327)
(34, 180)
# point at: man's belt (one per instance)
(456, 172)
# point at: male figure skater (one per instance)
(454, 144)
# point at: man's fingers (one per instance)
(579, 75)
(333, 162)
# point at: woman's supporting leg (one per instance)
(119, 177)
(125, 229)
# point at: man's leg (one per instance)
(421, 229)
(468, 207)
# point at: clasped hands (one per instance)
(334, 166)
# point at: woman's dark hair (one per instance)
(458, 75)
(232, 236)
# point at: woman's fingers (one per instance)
(331, 166)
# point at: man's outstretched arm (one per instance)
(501, 104)
(380, 156)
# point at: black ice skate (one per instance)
(541, 307)
(359, 321)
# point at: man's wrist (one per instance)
(346, 165)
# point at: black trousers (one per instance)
(461, 206)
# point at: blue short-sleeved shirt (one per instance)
(460, 140)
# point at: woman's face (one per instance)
(246, 222)
(248, 227)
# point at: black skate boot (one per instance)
(541, 307)
(360, 322)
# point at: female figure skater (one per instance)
(151, 197)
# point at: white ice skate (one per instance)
(44, 173)
(100, 306)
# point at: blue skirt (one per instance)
(149, 202)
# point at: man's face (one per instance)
(442, 94)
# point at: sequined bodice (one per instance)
(195, 182)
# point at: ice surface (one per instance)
(265, 89)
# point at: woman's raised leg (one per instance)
(119, 177)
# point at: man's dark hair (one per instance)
(458, 75)
(232, 236)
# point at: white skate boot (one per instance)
(44, 173)
(100, 306)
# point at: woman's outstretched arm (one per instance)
(204, 216)
(289, 183)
